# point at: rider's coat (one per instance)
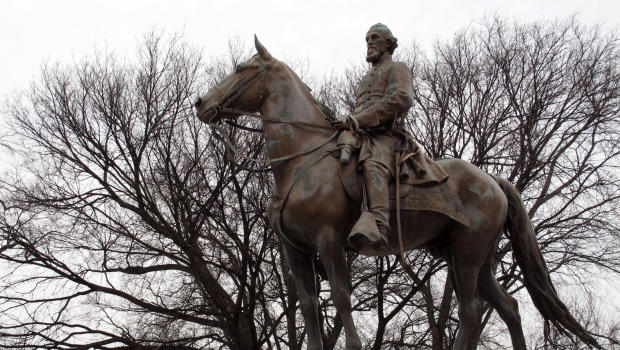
(384, 96)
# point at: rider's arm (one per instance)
(398, 99)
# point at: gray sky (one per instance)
(329, 34)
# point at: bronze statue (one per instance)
(384, 95)
(316, 204)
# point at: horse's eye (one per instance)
(238, 68)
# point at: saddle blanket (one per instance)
(424, 185)
(438, 197)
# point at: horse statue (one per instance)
(312, 211)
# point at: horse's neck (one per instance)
(289, 99)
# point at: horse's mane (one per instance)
(330, 115)
(327, 112)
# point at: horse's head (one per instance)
(244, 89)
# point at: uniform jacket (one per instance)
(385, 94)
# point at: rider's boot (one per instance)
(376, 231)
(377, 177)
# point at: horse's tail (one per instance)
(535, 272)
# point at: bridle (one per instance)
(234, 93)
(242, 86)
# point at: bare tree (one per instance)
(128, 225)
(125, 226)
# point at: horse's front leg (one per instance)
(302, 269)
(332, 256)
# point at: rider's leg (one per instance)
(377, 179)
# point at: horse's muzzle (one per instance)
(198, 103)
(205, 113)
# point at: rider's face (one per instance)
(376, 45)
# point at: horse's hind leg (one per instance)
(302, 269)
(506, 306)
(333, 259)
(467, 258)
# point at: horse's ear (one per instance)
(262, 51)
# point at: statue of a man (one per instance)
(383, 97)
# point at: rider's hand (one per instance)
(352, 124)
(349, 123)
(338, 124)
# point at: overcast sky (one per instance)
(329, 34)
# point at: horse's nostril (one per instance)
(198, 102)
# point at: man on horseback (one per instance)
(467, 211)
(384, 96)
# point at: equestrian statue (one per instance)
(338, 184)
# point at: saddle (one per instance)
(424, 184)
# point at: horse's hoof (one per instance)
(354, 345)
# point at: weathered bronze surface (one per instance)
(312, 212)
(384, 96)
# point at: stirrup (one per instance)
(366, 229)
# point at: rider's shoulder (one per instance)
(399, 65)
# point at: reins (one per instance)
(237, 90)
(399, 230)
(275, 120)
(222, 136)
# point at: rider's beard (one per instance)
(372, 55)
